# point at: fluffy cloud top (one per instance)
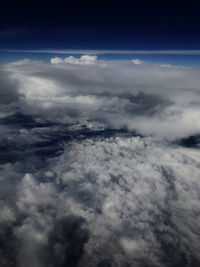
(97, 164)
(120, 201)
(86, 59)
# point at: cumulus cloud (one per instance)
(99, 164)
(144, 97)
(86, 59)
(119, 200)
(136, 61)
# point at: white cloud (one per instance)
(136, 61)
(147, 97)
(137, 188)
(86, 59)
(71, 177)
(135, 196)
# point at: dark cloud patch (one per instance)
(8, 245)
(8, 88)
(66, 242)
(105, 263)
(27, 137)
(190, 142)
(144, 104)
(19, 120)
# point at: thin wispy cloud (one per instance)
(106, 52)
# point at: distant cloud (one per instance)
(86, 59)
(141, 96)
(104, 52)
(137, 61)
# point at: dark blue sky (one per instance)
(100, 25)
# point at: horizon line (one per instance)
(104, 52)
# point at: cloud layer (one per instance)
(99, 164)
(147, 98)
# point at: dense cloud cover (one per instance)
(141, 96)
(99, 164)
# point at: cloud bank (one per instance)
(99, 164)
(151, 99)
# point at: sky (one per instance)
(99, 134)
(101, 25)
